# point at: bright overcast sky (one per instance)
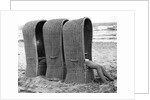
(95, 16)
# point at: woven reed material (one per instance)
(52, 30)
(30, 31)
(77, 40)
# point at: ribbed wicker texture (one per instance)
(53, 46)
(30, 30)
(77, 40)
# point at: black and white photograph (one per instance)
(84, 54)
(63, 55)
(74, 49)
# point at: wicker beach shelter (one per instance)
(77, 40)
(53, 30)
(33, 36)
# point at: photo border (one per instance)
(146, 92)
(97, 10)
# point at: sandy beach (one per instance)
(103, 53)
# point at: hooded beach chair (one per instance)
(53, 30)
(34, 48)
(77, 40)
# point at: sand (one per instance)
(104, 53)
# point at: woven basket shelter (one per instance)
(77, 40)
(53, 30)
(34, 48)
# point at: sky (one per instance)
(95, 16)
